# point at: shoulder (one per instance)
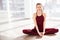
(34, 14)
(44, 14)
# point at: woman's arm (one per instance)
(44, 22)
(35, 23)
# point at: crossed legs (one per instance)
(47, 31)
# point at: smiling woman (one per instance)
(39, 18)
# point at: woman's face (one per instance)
(38, 7)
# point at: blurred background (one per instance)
(16, 15)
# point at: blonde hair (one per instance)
(38, 4)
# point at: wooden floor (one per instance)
(31, 37)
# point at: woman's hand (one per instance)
(41, 34)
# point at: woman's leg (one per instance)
(29, 32)
(26, 31)
(50, 31)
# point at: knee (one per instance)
(24, 31)
(57, 30)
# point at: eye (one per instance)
(39, 7)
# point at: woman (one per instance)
(39, 21)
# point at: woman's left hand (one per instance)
(42, 34)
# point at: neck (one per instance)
(39, 11)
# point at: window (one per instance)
(53, 7)
(3, 11)
(17, 9)
(11, 10)
(3, 4)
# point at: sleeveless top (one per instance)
(39, 20)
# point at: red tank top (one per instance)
(39, 20)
